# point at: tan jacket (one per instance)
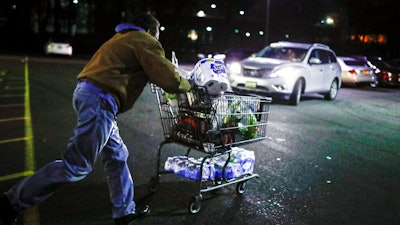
(127, 62)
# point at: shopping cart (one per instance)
(213, 125)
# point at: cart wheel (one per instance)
(240, 187)
(195, 205)
(217, 181)
(154, 184)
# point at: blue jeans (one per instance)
(96, 134)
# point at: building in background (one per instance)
(190, 27)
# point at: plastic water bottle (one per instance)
(180, 165)
(245, 158)
(169, 164)
(191, 170)
(211, 170)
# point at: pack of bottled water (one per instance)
(240, 162)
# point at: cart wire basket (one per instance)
(212, 124)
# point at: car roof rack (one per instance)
(320, 45)
(291, 44)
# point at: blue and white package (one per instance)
(211, 74)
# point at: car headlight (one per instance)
(235, 68)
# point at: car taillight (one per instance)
(387, 76)
(352, 72)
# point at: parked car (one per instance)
(356, 72)
(288, 70)
(58, 47)
(387, 75)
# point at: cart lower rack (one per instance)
(214, 125)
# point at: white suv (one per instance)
(288, 69)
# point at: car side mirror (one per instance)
(314, 60)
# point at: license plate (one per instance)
(250, 84)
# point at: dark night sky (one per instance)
(286, 16)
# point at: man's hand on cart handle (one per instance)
(182, 72)
(174, 60)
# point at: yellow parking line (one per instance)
(13, 88)
(12, 119)
(16, 175)
(10, 96)
(11, 105)
(31, 216)
(29, 150)
(13, 140)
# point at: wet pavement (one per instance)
(323, 162)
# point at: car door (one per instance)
(333, 71)
(317, 70)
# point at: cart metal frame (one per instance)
(206, 130)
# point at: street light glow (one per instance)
(192, 35)
(329, 21)
(201, 13)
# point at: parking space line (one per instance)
(31, 216)
(13, 140)
(12, 119)
(12, 95)
(29, 150)
(16, 175)
(11, 105)
(13, 88)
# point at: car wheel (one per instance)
(295, 97)
(376, 82)
(331, 95)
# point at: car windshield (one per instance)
(354, 63)
(283, 53)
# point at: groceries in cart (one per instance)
(208, 117)
(219, 122)
(215, 122)
(211, 74)
(238, 114)
(240, 162)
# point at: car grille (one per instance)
(255, 73)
